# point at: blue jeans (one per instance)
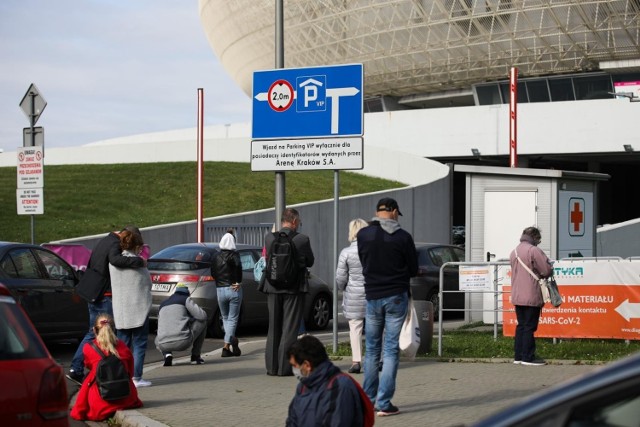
(229, 302)
(385, 317)
(95, 309)
(136, 340)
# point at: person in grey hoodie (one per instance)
(526, 295)
(181, 324)
(349, 279)
(389, 260)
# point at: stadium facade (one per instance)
(436, 76)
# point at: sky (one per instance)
(110, 68)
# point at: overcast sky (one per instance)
(110, 68)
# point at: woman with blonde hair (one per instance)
(89, 404)
(349, 278)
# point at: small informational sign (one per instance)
(30, 201)
(306, 154)
(475, 278)
(30, 167)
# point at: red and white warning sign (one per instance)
(280, 95)
(30, 167)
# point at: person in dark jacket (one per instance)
(107, 251)
(286, 305)
(324, 396)
(227, 270)
(181, 324)
(389, 260)
(526, 295)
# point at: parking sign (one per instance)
(316, 102)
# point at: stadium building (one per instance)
(437, 77)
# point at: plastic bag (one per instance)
(410, 333)
(258, 269)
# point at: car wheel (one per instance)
(434, 298)
(320, 313)
(216, 327)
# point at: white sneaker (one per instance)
(141, 383)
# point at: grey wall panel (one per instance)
(425, 211)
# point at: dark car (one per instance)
(609, 396)
(34, 390)
(44, 285)
(190, 263)
(426, 285)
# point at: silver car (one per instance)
(190, 263)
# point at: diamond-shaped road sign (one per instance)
(32, 104)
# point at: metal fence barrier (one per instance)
(249, 234)
(495, 291)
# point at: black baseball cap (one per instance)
(387, 204)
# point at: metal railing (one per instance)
(495, 291)
(249, 234)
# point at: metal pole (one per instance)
(32, 121)
(336, 197)
(200, 174)
(280, 182)
(513, 119)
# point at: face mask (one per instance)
(297, 373)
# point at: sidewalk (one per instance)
(236, 391)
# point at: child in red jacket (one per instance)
(89, 404)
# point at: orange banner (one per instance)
(588, 311)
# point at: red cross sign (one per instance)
(576, 217)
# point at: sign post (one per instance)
(309, 119)
(29, 195)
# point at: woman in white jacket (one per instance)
(349, 278)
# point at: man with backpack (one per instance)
(285, 282)
(325, 395)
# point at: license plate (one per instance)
(161, 287)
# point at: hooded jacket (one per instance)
(525, 289)
(317, 404)
(388, 256)
(227, 267)
(175, 316)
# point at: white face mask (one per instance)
(297, 373)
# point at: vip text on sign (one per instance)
(316, 102)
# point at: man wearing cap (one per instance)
(389, 260)
(181, 324)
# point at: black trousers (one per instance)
(525, 343)
(285, 315)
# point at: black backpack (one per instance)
(282, 270)
(112, 377)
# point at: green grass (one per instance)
(467, 343)
(82, 200)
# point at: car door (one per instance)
(43, 297)
(254, 302)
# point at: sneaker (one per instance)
(536, 362)
(74, 376)
(391, 410)
(168, 359)
(234, 347)
(141, 383)
(355, 368)
(197, 360)
(226, 352)
(517, 362)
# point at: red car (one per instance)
(33, 391)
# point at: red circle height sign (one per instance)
(280, 95)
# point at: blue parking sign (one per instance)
(316, 102)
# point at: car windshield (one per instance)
(16, 340)
(182, 258)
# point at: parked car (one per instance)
(34, 390)
(426, 285)
(609, 396)
(190, 263)
(44, 285)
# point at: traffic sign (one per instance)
(29, 140)
(315, 102)
(32, 104)
(30, 201)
